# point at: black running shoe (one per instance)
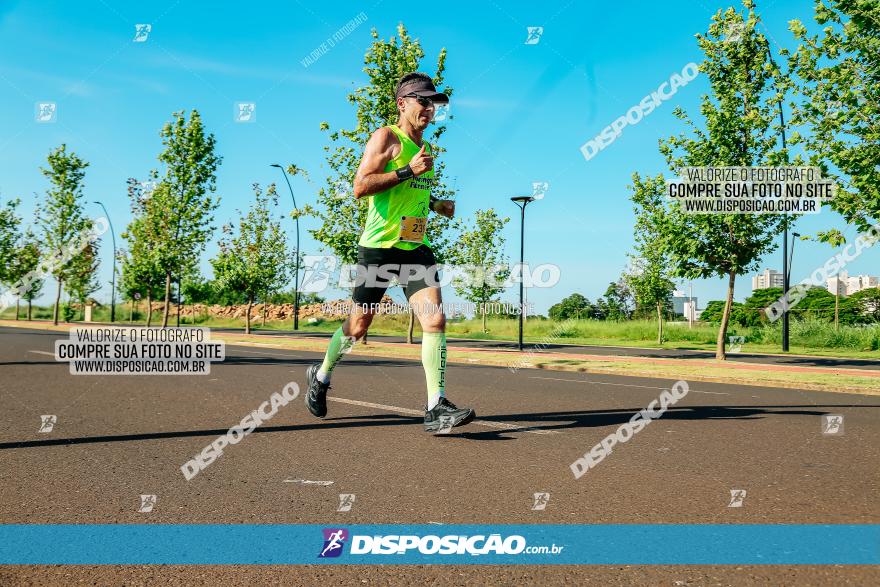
(316, 398)
(446, 415)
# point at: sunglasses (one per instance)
(423, 101)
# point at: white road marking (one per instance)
(410, 412)
(42, 353)
(308, 482)
(265, 354)
(623, 384)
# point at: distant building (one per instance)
(681, 304)
(846, 285)
(838, 283)
(860, 282)
(770, 278)
(691, 312)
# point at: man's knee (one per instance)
(358, 324)
(433, 322)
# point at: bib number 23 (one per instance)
(412, 228)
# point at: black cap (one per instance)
(421, 87)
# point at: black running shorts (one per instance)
(375, 266)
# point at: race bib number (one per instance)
(412, 228)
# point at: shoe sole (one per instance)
(466, 420)
(311, 376)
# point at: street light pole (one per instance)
(113, 277)
(521, 202)
(786, 274)
(296, 257)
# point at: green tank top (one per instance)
(408, 198)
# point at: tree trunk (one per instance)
(659, 322)
(29, 310)
(264, 314)
(247, 317)
(485, 330)
(837, 305)
(167, 307)
(17, 306)
(725, 319)
(57, 302)
(149, 308)
(412, 324)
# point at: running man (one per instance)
(396, 173)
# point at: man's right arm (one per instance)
(371, 177)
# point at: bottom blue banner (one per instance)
(265, 544)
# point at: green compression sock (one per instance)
(434, 362)
(339, 345)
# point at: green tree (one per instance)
(650, 278)
(840, 85)
(617, 302)
(573, 306)
(142, 273)
(866, 305)
(82, 277)
(256, 259)
(740, 115)
(61, 214)
(482, 267)
(24, 270)
(181, 208)
(10, 224)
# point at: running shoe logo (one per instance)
(334, 540)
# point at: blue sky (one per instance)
(521, 112)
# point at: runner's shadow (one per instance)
(522, 423)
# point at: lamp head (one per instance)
(523, 199)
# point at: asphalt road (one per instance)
(685, 354)
(119, 437)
